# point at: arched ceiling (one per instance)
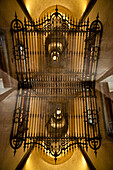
(36, 7)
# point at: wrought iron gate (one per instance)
(56, 61)
(55, 38)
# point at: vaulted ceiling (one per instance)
(36, 7)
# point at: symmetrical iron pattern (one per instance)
(76, 46)
(35, 123)
(56, 60)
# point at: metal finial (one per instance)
(56, 13)
(15, 15)
(55, 156)
(56, 9)
(24, 147)
(36, 21)
(25, 19)
(95, 153)
(97, 16)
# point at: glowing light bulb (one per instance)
(58, 112)
(54, 57)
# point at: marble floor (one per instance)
(8, 161)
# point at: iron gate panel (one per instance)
(75, 44)
(56, 61)
(33, 116)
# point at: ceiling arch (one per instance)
(36, 7)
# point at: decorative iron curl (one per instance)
(16, 25)
(95, 143)
(16, 143)
(96, 25)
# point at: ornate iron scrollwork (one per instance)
(56, 60)
(16, 25)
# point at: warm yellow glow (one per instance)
(29, 163)
(58, 112)
(28, 160)
(28, 8)
(84, 161)
(84, 8)
(54, 57)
